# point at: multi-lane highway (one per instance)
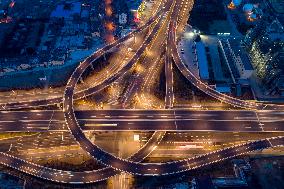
(102, 174)
(145, 120)
(55, 176)
(208, 89)
(107, 158)
(76, 177)
(72, 123)
(169, 98)
(255, 120)
(88, 61)
(155, 51)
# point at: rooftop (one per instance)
(202, 61)
(238, 51)
(66, 10)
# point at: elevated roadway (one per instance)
(126, 165)
(133, 164)
(205, 87)
(90, 59)
(145, 120)
(71, 177)
(169, 97)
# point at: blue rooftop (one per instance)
(202, 61)
(67, 10)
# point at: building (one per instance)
(258, 31)
(239, 180)
(204, 182)
(275, 30)
(223, 88)
(66, 11)
(122, 18)
(241, 59)
(237, 59)
(267, 55)
(134, 4)
(248, 8)
(234, 4)
(202, 61)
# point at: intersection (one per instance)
(162, 29)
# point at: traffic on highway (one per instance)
(161, 30)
